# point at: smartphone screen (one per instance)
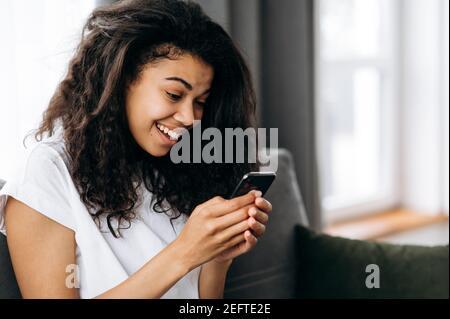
(254, 181)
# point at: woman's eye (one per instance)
(201, 104)
(174, 97)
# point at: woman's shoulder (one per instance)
(44, 164)
(42, 182)
(51, 149)
(44, 158)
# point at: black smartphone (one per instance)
(254, 180)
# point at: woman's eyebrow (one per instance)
(184, 82)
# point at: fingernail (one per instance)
(258, 193)
(252, 211)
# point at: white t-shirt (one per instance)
(44, 184)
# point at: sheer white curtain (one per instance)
(37, 40)
(445, 106)
(357, 80)
(425, 127)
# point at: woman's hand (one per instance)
(215, 226)
(257, 220)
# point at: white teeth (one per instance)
(172, 134)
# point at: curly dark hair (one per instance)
(106, 163)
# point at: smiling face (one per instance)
(168, 95)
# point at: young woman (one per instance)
(100, 210)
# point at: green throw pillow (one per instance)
(334, 267)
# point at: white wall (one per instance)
(38, 38)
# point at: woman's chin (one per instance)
(158, 151)
(155, 149)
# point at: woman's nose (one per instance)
(185, 114)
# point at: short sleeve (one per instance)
(42, 183)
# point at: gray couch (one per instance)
(8, 284)
(266, 272)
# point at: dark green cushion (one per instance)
(333, 267)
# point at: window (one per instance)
(38, 39)
(357, 78)
(382, 98)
